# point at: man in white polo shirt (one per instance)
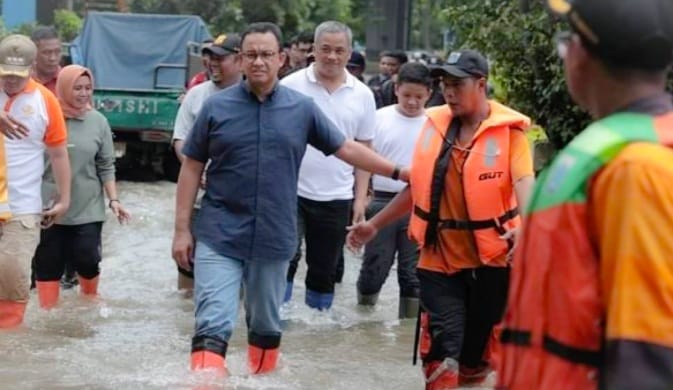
(38, 110)
(224, 70)
(326, 184)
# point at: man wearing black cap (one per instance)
(224, 71)
(471, 169)
(592, 287)
(356, 65)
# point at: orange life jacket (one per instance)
(554, 322)
(487, 184)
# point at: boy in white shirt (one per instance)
(397, 128)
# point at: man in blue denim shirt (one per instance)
(255, 134)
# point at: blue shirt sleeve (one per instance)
(196, 144)
(324, 135)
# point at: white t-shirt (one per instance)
(353, 110)
(190, 108)
(395, 140)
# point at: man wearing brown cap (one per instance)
(591, 303)
(37, 110)
(224, 71)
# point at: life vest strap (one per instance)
(494, 223)
(572, 354)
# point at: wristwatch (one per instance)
(396, 173)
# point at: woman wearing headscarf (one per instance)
(77, 235)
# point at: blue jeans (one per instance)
(217, 280)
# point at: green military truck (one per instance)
(141, 63)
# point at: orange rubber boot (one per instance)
(262, 361)
(425, 342)
(11, 313)
(88, 286)
(47, 292)
(441, 375)
(206, 360)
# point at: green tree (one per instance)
(526, 70)
(67, 23)
(292, 16)
(427, 24)
(24, 29)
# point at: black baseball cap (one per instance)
(635, 34)
(462, 64)
(357, 60)
(224, 44)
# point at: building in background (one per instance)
(388, 26)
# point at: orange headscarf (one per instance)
(64, 90)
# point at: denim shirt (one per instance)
(249, 210)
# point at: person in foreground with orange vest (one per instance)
(471, 169)
(591, 303)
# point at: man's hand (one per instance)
(183, 249)
(359, 208)
(404, 175)
(360, 234)
(51, 214)
(511, 236)
(12, 128)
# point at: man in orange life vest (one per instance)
(591, 301)
(471, 169)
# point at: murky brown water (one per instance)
(137, 334)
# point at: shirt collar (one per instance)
(39, 80)
(652, 105)
(348, 83)
(31, 86)
(244, 85)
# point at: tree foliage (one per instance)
(292, 16)
(526, 70)
(67, 23)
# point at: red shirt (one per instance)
(197, 79)
(50, 84)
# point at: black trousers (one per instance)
(463, 308)
(79, 244)
(391, 242)
(323, 226)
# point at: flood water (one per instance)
(137, 334)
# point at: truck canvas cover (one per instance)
(123, 50)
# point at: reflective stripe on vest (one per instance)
(487, 189)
